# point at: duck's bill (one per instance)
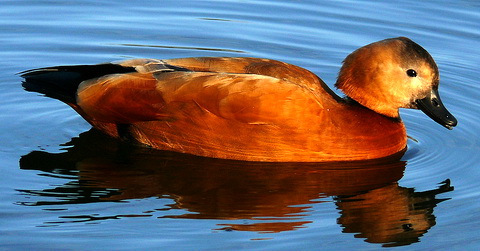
(432, 106)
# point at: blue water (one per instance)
(66, 187)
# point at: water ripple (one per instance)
(181, 47)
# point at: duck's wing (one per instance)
(245, 65)
(166, 95)
(239, 65)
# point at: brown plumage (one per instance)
(254, 109)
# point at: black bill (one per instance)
(432, 106)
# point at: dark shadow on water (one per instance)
(275, 196)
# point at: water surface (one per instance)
(66, 187)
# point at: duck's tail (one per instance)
(61, 82)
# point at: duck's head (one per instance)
(391, 74)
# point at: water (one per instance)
(66, 187)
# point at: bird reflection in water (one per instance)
(273, 197)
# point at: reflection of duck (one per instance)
(275, 196)
(255, 109)
(392, 215)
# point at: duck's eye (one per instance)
(411, 73)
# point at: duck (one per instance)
(255, 109)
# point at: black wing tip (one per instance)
(36, 71)
(61, 82)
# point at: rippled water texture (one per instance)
(66, 187)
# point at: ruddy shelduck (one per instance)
(255, 109)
